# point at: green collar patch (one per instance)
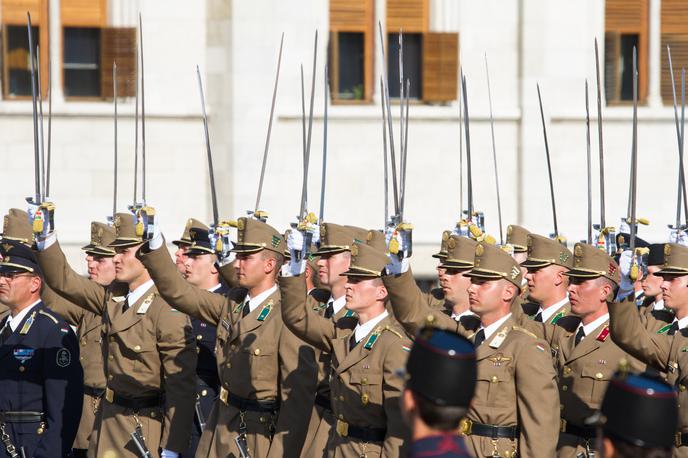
(558, 317)
(664, 329)
(267, 308)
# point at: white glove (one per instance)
(168, 454)
(397, 266)
(152, 228)
(624, 227)
(680, 237)
(295, 245)
(221, 243)
(625, 263)
(41, 217)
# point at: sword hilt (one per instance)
(260, 215)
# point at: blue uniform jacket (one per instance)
(41, 373)
(439, 446)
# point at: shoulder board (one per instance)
(524, 331)
(499, 338)
(558, 317)
(393, 331)
(602, 336)
(44, 313)
(373, 338)
(664, 329)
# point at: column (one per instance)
(654, 96)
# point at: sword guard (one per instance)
(260, 215)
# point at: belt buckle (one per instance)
(224, 395)
(342, 428)
(466, 427)
(109, 395)
(562, 425)
(677, 439)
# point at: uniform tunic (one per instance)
(149, 352)
(257, 359)
(41, 373)
(439, 446)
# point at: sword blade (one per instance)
(469, 174)
(143, 117)
(211, 172)
(603, 223)
(389, 123)
(384, 147)
(682, 176)
(589, 160)
(136, 130)
(114, 99)
(634, 151)
(324, 159)
(37, 159)
(549, 164)
(460, 148)
(402, 204)
(304, 191)
(50, 123)
(494, 153)
(267, 137)
(40, 122)
(681, 192)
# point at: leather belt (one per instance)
(681, 439)
(244, 404)
(21, 417)
(470, 428)
(584, 432)
(361, 433)
(323, 401)
(93, 391)
(133, 403)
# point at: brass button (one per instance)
(256, 351)
(494, 379)
(364, 398)
(198, 350)
(153, 414)
(341, 398)
(599, 375)
(81, 358)
(40, 430)
(110, 377)
(364, 381)
(341, 417)
(199, 337)
(137, 348)
(262, 419)
(22, 368)
(204, 393)
(564, 388)
(682, 388)
(229, 365)
(112, 339)
(567, 370)
(111, 358)
(232, 347)
(83, 341)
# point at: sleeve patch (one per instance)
(63, 358)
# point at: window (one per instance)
(17, 61)
(675, 35)
(626, 26)
(413, 63)
(351, 50)
(81, 62)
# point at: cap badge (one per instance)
(370, 235)
(7, 247)
(578, 251)
(563, 257)
(667, 249)
(276, 239)
(509, 230)
(612, 268)
(479, 250)
(241, 224)
(445, 236)
(514, 272)
(323, 231)
(530, 241)
(354, 250)
(451, 244)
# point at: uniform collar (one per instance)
(363, 330)
(215, 288)
(135, 295)
(590, 327)
(458, 317)
(491, 329)
(682, 323)
(337, 304)
(15, 321)
(658, 305)
(551, 310)
(254, 302)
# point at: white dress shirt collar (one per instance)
(458, 317)
(363, 330)
(590, 327)
(138, 293)
(492, 328)
(549, 311)
(15, 320)
(254, 302)
(215, 288)
(337, 304)
(682, 323)
(658, 305)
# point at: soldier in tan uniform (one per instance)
(586, 357)
(267, 375)
(364, 388)
(666, 351)
(653, 313)
(184, 242)
(149, 349)
(515, 407)
(546, 265)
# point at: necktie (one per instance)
(5, 333)
(579, 335)
(479, 338)
(352, 342)
(246, 309)
(125, 306)
(538, 317)
(329, 311)
(673, 328)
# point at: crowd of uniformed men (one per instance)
(274, 348)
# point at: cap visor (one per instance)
(198, 251)
(354, 272)
(124, 243)
(520, 249)
(483, 274)
(456, 264)
(534, 263)
(8, 267)
(674, 271)
(440, 255)
(247, 249)
(582, 273)
(324, 250)
(98, 251)
(181, 242)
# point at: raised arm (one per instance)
(411, 307)
(81, 291)
(176, 291)
(299, 316)
(628, 332)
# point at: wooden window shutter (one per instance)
(83, 13)
(674, 35)
(612, 85)
(14, 11)
(440, 66)
(410, 16)
(118, 45)
(629, 17)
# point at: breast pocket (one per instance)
(598, 377)
(496, 383)
(141, 352)
(366, 388)
(263, 360)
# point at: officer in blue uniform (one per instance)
(41, 381)
(200, 270)
(440, 380)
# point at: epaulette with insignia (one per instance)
(143, 308)
(393, 331)
(602, 336)
(501, 335)
(524, 331)
(44, 313)
(29, 322)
